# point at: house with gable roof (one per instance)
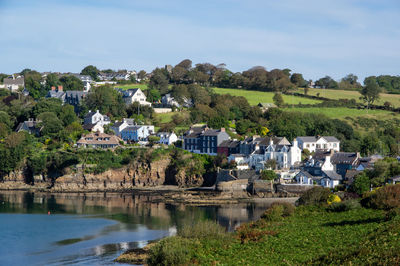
(319, 143)
(96, 118)
(134, 95)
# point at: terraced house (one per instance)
(204, 140)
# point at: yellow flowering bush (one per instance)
(333, 198)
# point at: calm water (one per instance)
(93, 229)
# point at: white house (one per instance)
(121, 125)
(137, 133)
(98, 127)
(95, 118)
(167, 138)
(134, 95)
(318, 143)
(286, 156)
(86, 80)
(14, 83)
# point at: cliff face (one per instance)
(138, 174)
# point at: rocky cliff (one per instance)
(81, 178)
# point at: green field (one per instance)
(165, 117)
(131, 86)
(256, 97)
(342, 112)
(344, 94)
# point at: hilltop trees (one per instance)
(327, 83)
(370, 92)
(91, 71)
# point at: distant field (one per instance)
(343, 94)
(256, 97)
(131, 86)
(342, 112)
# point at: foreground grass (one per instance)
(343, 112)
(345, 94)
(310, 236)
(256, 97)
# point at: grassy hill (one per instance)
(344, 94)
(255, 97)
(342, 112)
(131, 86)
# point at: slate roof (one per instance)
(314, 139)
(14, 81)
(344, 158)
(98, 139)
(56, 94)
(333, 175)
(229, 144)
(74, 94)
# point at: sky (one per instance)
(313, 37)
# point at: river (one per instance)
(94, 228)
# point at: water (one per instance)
(94, 228)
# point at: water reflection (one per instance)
(94, 228)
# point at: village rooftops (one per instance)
(314, 139)
(99, 139)
(18, 81)
(345, 157)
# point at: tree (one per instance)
(278, 99)
(268, 175)
(217, 122)
(159, 81)
(153, 140)
(327, 83)
(106, 100)
(141, 75)
(91, 71)
(67, 115)
(33, 85)
(298, 80)
(370, 92)
(52, 80)
(186, 64)
(71, 83)
(361, 183)
(51, 125)
(52, 105)
(153, 95)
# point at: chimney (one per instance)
(331, 152)
(60, 88)
(53, 88)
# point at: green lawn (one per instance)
(344, 94)
(131, 86)
(165, 117)
(342, 112)
(256, 97)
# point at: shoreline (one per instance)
(171, 194)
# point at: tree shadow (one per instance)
(357, 222)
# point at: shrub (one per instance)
(344, 206)
(393, 213)
(315, 196)
(253, 231)
(203, 229)
(170, 251)
(333, 198)
(277, 211)
(385, 198)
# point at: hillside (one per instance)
(394, 99)
(256, 97)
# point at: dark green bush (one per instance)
(315, 196)
(393, 213)
(344, 206)
(385, 198)
(170, 251)
(277, 211)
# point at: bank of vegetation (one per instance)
(325, 228)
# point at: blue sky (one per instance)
(313, 37)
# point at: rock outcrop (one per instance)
(82, 178)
